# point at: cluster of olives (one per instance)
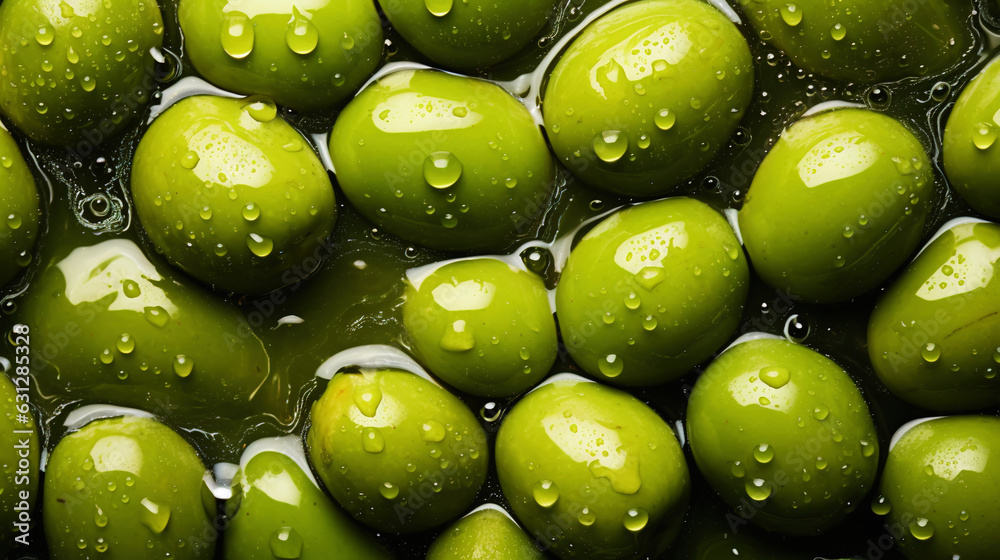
(234, 202)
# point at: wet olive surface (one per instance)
(355, 297)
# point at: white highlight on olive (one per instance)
(289, 446)
(494, 507)
(948, 226)
(728, 10)
(291, 320)
(375, 356)
(733, 217)
(560, 378)
(907, 427)
(749, 337)
(831, 105)
(87, 414)
(184, 88)
(220, 480)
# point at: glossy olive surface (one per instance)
(865, 40)
(647, 95)
(484, 534)
(940, 488)
(127, 488)
(278, 511)
(783, 435)
(303, 54)
(19, 210)
(233, 195)
(652, 291)
(398, 452)
(838, 204)
(113, 327)
(971, 156)
(77, 72)
(933, 336)
(445, 161)
(468, 34)
(19, 452)
(482, 326)
(592, 472)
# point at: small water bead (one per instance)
(510, 182)
(763, 453)
(286, 544)
(260, 246)
(931, 352)
(757, 489)
(791, 14)
(101, 545)
(665, 119)
(183, 365)
(963, 516)
(368, 399)
(106, 356)
(262, 110)
(921, 528)
(87, 83)
(635, 519)
(433, 431)
(821, 463)
(996, 355)
(301, 35)
(220, 250)
(611, 365)
(821, 412)
(881, 506)
(984, 135)
(338, 79)
(126, 344)
(372, 440)
(546, 493)
(775, 377)
(439, 8)
(610, 145)
(156, 316)
(251, 212)
(101, 518)
(205, 213)
(586, 517)
(848, 232)
(867, 449)
(154, 516)
(643, 141)
(650, 323)
(388, 490)
(237, 34)
(838, 32)
(442, 170)
(14, 221)
(738, 470)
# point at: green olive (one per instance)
(971, 159)
(127, 488)
(865, 40)
(233, 195)
(278, 511)
(77, 72)
(940, 488)
(112, 327)
(468, 34)
(445, 161)
(19, 217)
(651, 292)
(837, 205)
(591, 471)
(932, 336)
(647, 95)
(303, 54)
(19, 452)
(482, 326)
(783, 435)
(398, 452)
(487, 533)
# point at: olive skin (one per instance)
(872, 181)
(484, 534)
(633, 109)
(942, 483)
(445, 161)
(865, 40)
(482, 326)
(971, 156)
(126, 488)
(932, 336)
(232, 194)
(783, 435)
(651, 292)
(277, 511)
(15, 481)
(398, 452)
(77, 73)
(306, 55)
(112, 327)
(20, 210)
(591, 471)
(469, 34)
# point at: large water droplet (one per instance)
(237, 34)
(125, 344)
(154, 516)
(931, 352)
(821, 412)
(635, 519)
(44, 35)
(838, 32)
(791, 14)
(372, 440)
(301, 35)
(260, 246)
(388, 490)
(286, 544)
(432, 431)
(156, 316)
(586, 517)
(14, 221)
(757, 489)
(763, 453)
(262, 110)
(442, 170)
(776, 377)
(881, 506)
(251, 212)
(984, 135)
(131, 288)
(190, 160)
(611, 365)
(183, 365)
(439, 8)
(546, 493)
(921, 529)
(610, 145)
(367, 399)
(665, 119)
